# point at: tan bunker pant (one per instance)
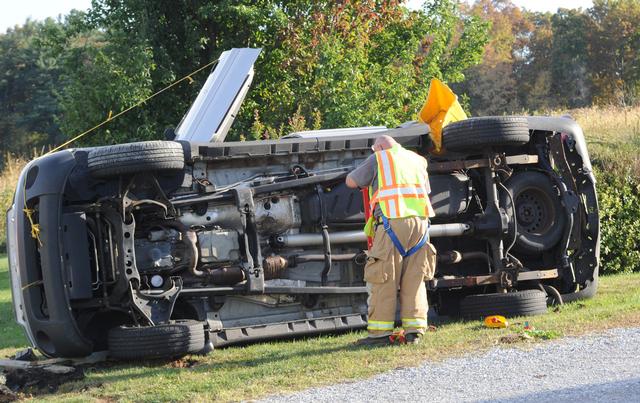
(387, 272)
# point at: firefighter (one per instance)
(401, 257)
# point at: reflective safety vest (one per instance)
(402, 189)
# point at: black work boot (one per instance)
(374, 341)
(413, 338)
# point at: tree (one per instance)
(614, 45)
(533, 70)
(28, 82)
(570, 85)
(492, 85)
(327, 63)
(369, 63)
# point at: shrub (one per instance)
(619, 199)
(613, 137)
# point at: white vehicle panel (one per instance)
(219, 100)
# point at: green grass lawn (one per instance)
(11, 335)
(240, 373)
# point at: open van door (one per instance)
(217, 104)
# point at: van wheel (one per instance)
(540, 217)
(130, 158)
(170, 340)
(517, 303)
(489, 131)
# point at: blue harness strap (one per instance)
(398, 244)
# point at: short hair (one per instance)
(385, 142)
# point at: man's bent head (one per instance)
(383, 142)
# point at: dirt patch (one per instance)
(7, 395)
(18, 383)
(18, 380)
(512, 338)
(183, 363)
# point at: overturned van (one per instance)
(163, 248)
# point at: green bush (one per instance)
(619, 199)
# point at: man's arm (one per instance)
(362, 176)
(350, 182)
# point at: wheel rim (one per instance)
(534, 211)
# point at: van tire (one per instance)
(517, 303)
(489, 131)
(169, 340)
(130, 158)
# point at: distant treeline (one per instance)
(570, 59)
(324, 63)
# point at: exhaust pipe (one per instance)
(342, 237)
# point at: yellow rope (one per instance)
(37, 282)
(111, 117)
(35, 228)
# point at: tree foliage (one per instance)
(568, 59)
(324, 64)
(363, 63)
(29, 81)
(492, 85)
(614, 61)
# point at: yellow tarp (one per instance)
(441, 108)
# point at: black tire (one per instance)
(171, 340)
(490, 131)
(539, 215)
(145, 156)
(518, 303)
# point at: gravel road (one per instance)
(601, 367)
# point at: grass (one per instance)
(11, 336)
(240, 373)
(613, 137)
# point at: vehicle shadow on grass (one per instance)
(109, 372)
(253, 364)
(113, 372)
(279, 353)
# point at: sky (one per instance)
(15, 12)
